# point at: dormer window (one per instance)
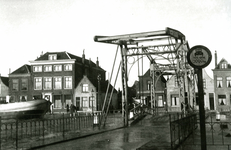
(223, 65)
(52, 57)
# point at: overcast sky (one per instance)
(29, 27)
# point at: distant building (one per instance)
(222, 84)
(4, 88)
(143, 89)
(176, 99)
(61, 78)
(173, 91)
(208, 85)
(20, 86)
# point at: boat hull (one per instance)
(28, 109)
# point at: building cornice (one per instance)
(44, 62)
(20, 75)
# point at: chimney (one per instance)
(215, 59)
(97, 62)
(83, 57)
(89, 62)
(9, 71)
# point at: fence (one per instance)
(218, 135)
(181, 126)
(25, 133)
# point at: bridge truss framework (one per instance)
(166, 50)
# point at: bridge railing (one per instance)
(217, 132)
(181, 127)
(15, 133)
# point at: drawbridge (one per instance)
(166, 51)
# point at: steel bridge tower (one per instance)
(166, 50)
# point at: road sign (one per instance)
(199, 56)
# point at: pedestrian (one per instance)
(51, 108)
(67, 108)
(71, 110)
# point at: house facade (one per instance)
(4, 89)
(208, 85)
(63, 79)
(143, 89)
(222, 84)
(20, 84)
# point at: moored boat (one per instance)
(27, 109)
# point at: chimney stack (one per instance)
(215, 59)
(83, 57)
(90, 62)
(97, 62)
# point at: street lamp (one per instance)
(98, 99)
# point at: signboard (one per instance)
(199, 56)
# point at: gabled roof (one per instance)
(65, 56)
(147, 74)
(103, 85)
(222, 61)
(25, 69)
(5, 80)
(60, 56)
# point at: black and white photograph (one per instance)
(115, 75)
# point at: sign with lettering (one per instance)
(199, 56)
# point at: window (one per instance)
(12, 99)
(219, 82)
(23, 98)
(57, 67)
(160, 101)
(37, 68)
(176, 83)
(57, 82)
(223, 65)
(228, 82)
(15, 84)
(175, 100)
(47, 68)
(68, 82)
(222, 99)
(37, 83)
(67, 99)
(149, 85)
(68, 67)
(24, 85)
(84, 102)
(85, 88)
(47, 83)
(52, 57)
(92, 102)
(204, 83)
(37, 97)
(57, 101)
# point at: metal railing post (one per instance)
(0, 132)
(16, 142)
(63, 125)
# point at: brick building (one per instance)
(222, 84)
(208, 85)
(4, 88)
(60, 78)
(143, 88)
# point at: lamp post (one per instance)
(98, 99)
(92, 96)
